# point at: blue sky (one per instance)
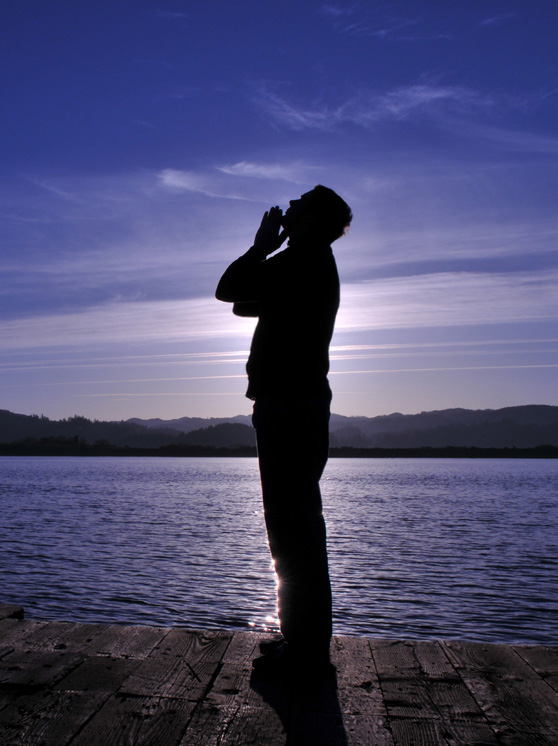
(141, 143)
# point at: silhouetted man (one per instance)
(295, 295)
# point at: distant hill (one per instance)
(520, 427)
(19, 427)
(523, 427)
(187, 424)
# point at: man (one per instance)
(295, 296)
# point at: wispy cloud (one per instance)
(128, 361)
(191, 181)
(446, 299)
(369, 108)
(381, 21)
(510, 348)
(441, 368)
(498, 20)
(449, 299)
(505, 138)
(130, 323)
(237, 181)
(294, 173)
(128, 380)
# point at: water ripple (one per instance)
(418, 548)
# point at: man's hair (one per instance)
(333, 213)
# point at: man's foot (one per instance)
(268, 646)
(284, 658)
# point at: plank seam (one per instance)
(539, 675)
(493, 728)
(387, 717)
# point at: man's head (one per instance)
(320, 213)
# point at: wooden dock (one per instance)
(63, 683)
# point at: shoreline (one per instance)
(47, 447)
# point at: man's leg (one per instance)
(292, 449)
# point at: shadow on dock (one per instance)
(308, 707)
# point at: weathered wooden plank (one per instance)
(357, 681)
(543, 658)
(217, 725)
(511, 693)
(244, 647)
(487, 658)
(523, 705)
(182, 665)
(127, 641)
(392, 657)
(408, 698)
(101, 674)
(428, 658)
(11, 611)
(415, 732)
(455, 703)
(149, 685)
(308, 707)
(117, 641)
(21, 631)
(433, 661)
(209, 724)
(471, 734)
(419, 682)
(68, 636)
(137, 721)
(409, 732)
(32, 669)
(367, 730)
(236, 684)
(511, 737)
(47, 718)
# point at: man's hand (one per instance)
(268, 238)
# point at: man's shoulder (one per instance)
(308, 271)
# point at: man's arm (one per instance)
(242, 281)
(249, 309)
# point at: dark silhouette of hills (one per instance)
(520, 427)
(187, 424)
(20, 427)
(527, 426)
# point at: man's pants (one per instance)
(292, 438)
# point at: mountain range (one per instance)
(526, 426)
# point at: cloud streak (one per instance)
(369, 108)
(449, 299)
(130, 323)
(294, 173)
(236, 181)
(436, 300)
(380, 23)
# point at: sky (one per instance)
(142, 141)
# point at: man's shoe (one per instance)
(268, 646)
(274, 657)
(288, 659)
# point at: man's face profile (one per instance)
(298, 215)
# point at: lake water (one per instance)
(419, 548)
